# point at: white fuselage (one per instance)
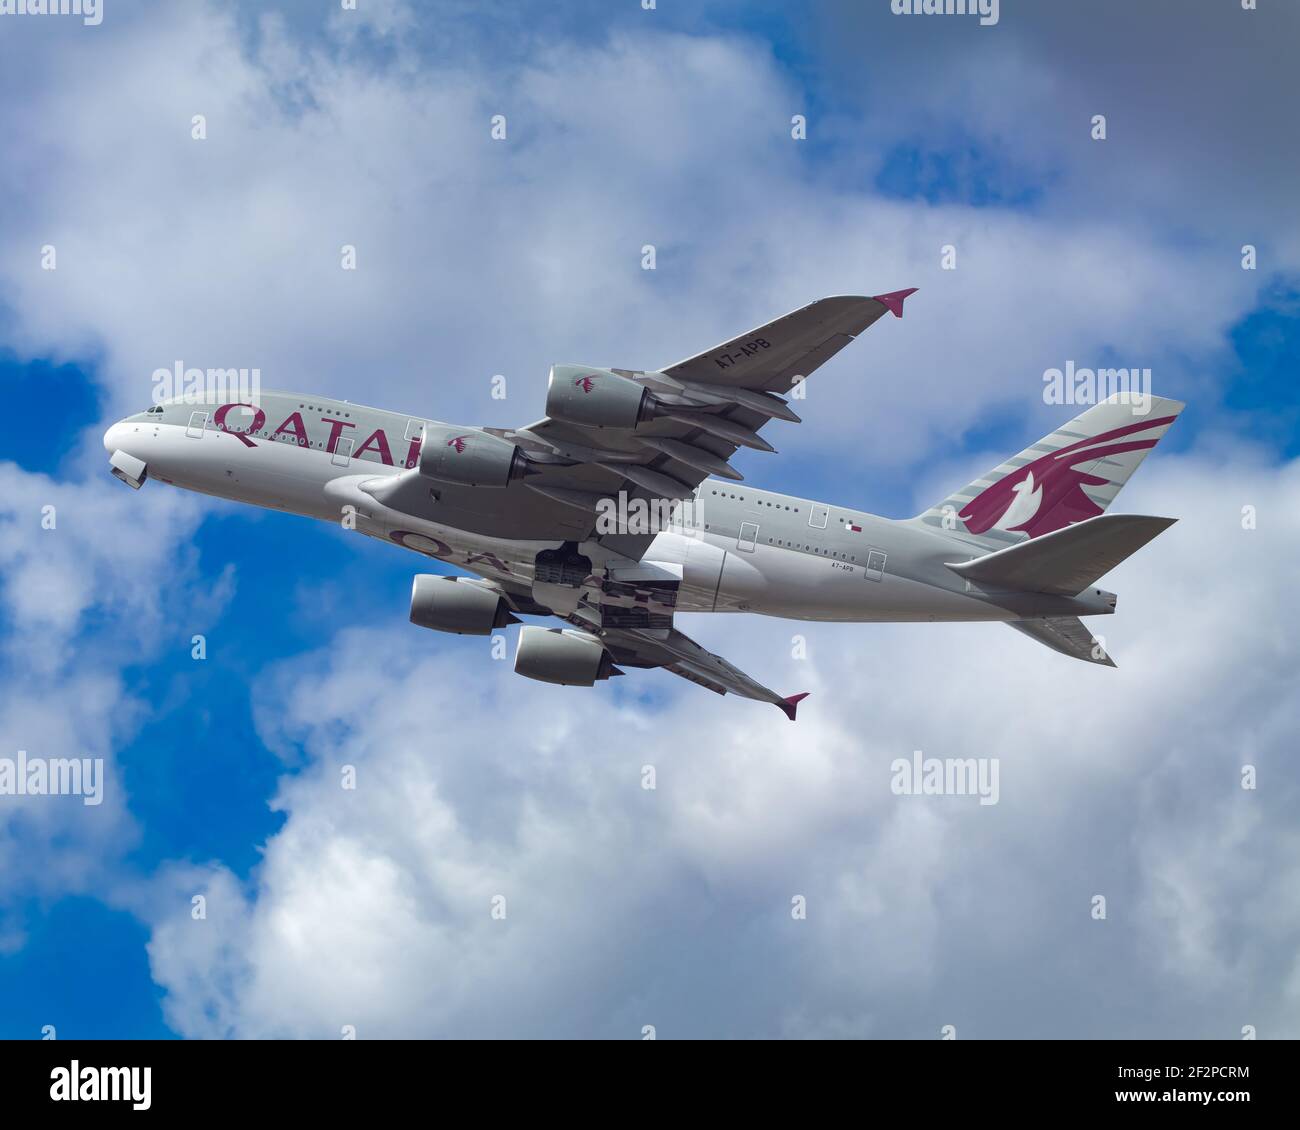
(739, 549)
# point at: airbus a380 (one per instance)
(557, 518)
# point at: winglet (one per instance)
(791, 704)
(893, 302)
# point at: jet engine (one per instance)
(595, 398)
(470, 457)
(562, 656)
(600, 398)
(448, 604)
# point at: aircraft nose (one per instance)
(114, 436)
(131, 469)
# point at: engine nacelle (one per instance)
(469, 457)
(562, 656)
(448, 604)
(595, 398)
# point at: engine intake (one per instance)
(470, 457)
(562, 656)
(448, 604)
(595, 398)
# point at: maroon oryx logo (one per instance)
(457, 443)
(585, 383)
(1047, 493)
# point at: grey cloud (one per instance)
(480, 257)
(672, 907)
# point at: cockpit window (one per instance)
(155, 410)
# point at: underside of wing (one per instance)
(676, 652)
(612, 629)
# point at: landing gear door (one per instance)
(748, 536)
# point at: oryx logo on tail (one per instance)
(1047, 493)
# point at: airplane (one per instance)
(621, 507)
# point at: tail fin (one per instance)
(1066, 477)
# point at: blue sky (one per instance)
(629, 127)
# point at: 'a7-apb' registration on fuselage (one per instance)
(621, 507)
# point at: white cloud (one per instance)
(672, 907)
(479, 257)
(629, 907)
(76, 557)
(75, 547)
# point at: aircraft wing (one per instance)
(670, 430)
(708, 406)
(676, 652)
(775, 356)
(668, 648)
(664, 647)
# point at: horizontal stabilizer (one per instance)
(1067, 635)
(1066, 561)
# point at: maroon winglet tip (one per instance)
(791, 704)
(893, 302)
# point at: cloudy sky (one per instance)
(476, 257)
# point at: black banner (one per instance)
(363, 1076)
